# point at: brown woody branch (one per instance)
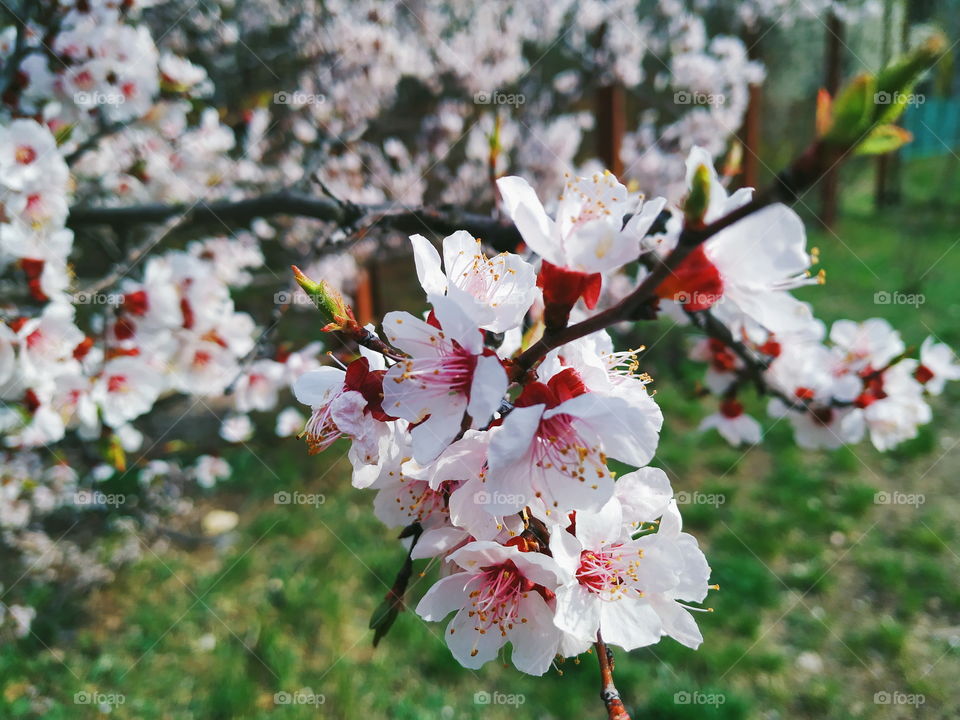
(443, 220)
(608, 690)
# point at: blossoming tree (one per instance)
(486, 426)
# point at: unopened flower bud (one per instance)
(335, 312)
(698, 200)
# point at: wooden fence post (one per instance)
(751, 131)
(834, 70)
(611, 120)
(365, 301)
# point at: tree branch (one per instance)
(608, 691)
(443, 220)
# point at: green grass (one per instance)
(809, 567)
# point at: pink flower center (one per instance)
(496, 597)
(321, 431)
(721, 357)
(34, 206)
(608, 572)
(731, 408)
(136, 302)
(559, 447)
(421, 502)
(483, 275)
(84, 79)
(451, 369)
(25, 154)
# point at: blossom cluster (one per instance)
(175, 330)
(863, 382)
(95, 113)
(503, 467)
(443, 443)
(860, 383)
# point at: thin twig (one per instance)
(608, 690)
(754, 366)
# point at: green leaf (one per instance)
(824, 116)
(895, 83)
(852, 110)
(63, 134)
(883, 139)
(890, 106)
(114, 453)
(383, 618)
